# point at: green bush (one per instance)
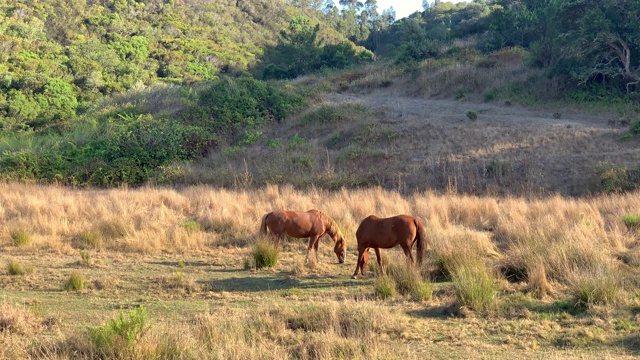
(472, 115)
(117, 337)
(265, 254)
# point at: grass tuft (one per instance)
(384, 287)
(20, 237)
(75, 282)
(474, 287)
(15, 268)
(265, 254)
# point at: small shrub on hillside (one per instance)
(15, 268)
(75, 282)
(472, 115)
(20, 237)
(384, 287)
(265, 254)
(617, 178)
(118, 336)
(632, 221)
(474, 287)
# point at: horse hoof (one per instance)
(354, 277)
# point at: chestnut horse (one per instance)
(312, 224)
(385, 233)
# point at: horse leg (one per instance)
(315, 247)
(379, 257)
(407, 253)
(361, 253)
(365, 261)
(312, 244)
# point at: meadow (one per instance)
(170, 273)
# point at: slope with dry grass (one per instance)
(561, 276)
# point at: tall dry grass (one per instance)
(554, 236)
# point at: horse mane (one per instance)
(332, 227)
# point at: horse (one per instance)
(312, 224)
(384, 233)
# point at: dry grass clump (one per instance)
(597, 285)
(475, 286)
(17, 320)
(457, 246)
(408, 280)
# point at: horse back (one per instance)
(294, 223)
(385, 232)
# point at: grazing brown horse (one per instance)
(312, 224)
(385, 233)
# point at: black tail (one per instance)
(421, 238)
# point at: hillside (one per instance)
(409, 132)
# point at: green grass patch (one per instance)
(333, 113)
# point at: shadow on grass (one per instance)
(184, 263)
(630, 342)
(270, 283)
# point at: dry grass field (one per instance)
(169, 274)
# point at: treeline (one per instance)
(591, 45)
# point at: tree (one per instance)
(602, 41)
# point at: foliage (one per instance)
(300, 52)
(471, 114)
(118, 336)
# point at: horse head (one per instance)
(340, 248)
